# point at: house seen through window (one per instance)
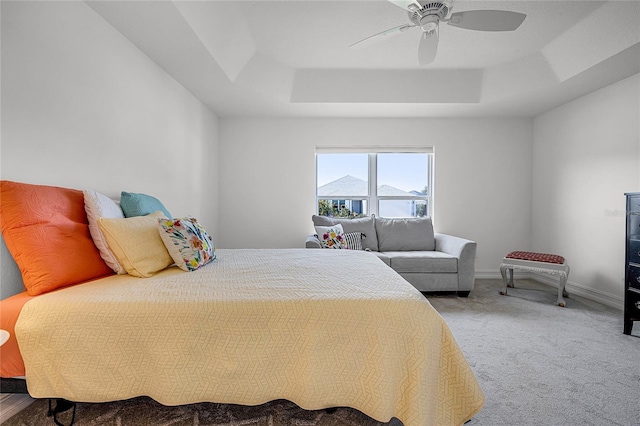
(387, 184)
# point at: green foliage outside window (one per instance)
(328, 208)
(421, 208)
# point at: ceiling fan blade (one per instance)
(382, 36)
(487, 20)
(405, 3)
(428, 47)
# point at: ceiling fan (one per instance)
(427, 15)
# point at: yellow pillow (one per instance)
(136, 243)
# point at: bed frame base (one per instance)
(62, 405)
(11, 385)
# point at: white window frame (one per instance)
(373, 199)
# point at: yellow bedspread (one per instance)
(320, 328)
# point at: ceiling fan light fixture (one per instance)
(429, 23)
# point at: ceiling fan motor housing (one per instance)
(429, 15)
(432, 10)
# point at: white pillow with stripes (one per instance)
(353, 240)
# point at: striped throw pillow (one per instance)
(354, 240)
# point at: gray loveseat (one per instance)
(429, 261)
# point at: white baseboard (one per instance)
(583, 291)
(13, 403)
(571, 287)
(495, 275)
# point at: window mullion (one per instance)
(373, 183)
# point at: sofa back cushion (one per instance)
(404, 234)
(365, 225)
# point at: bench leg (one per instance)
(561, 289)
(509, 283)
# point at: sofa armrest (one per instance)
(465, 251)
(312, 242)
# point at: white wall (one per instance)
(482, 177)
(586, 155)
(84, 108)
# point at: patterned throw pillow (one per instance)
(331, 237)
(354, 240)
(188, 243)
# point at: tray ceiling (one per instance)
(292, 58)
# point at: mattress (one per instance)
(321, 328)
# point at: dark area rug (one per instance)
(146, 411)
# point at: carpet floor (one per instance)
(537, 363)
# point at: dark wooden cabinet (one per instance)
(632, 263)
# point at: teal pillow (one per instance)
(133, 204)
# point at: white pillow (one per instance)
(98, 205)
(331, 237)
(353, 240)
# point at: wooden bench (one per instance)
(535, 262)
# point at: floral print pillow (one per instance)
(188, 243)
(331, 236)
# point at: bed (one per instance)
(321, 328)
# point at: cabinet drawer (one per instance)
(633, 224)
(633, 204)
(634, 277)
(634, 250)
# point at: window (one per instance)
(393, 183)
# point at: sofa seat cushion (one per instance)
(422, 261)
(383, 257)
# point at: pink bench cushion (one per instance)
(536, 257)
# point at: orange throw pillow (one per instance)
(47, 233)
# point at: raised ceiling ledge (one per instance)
(387, 86)
(607, 31)
(215, 23)
(525, 75)
(267, 76)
